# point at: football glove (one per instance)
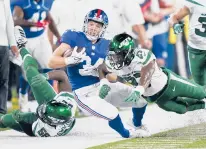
(104, 88)
(136, 94)
(178, 27)
(75, 57)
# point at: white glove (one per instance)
(89, 71)
(75, 57)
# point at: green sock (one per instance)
(23, 52)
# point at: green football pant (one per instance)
(42, 90)
(18, 121)
(180, 95)
(197, 61)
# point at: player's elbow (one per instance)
(51, 63)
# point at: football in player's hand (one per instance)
(68, 52)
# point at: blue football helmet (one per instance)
(99, 16)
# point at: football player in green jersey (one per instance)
(196, 9)
(138, 67)
(55, 114)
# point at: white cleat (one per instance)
(23, 103)
(141, 129)
(138, 133)
(20, 36)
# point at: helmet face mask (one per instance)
(54, 113)
(121, 51)
(98, 18)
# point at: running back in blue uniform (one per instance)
(95, 52)
(82, 70)
(33, 11)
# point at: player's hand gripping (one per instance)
(104, 88)
(135, 95)
(178, 27)
(76, 57)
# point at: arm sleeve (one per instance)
(9, 23)
(69, 37)
(132, 12)
(144, 56)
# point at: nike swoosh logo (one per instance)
(173, 89)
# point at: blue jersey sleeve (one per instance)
(48, 4)
(20, 3)
(69, 37)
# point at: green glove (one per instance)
(38, 79)
(178, 28)
(136, 94)
(133, 97)
(104, 90)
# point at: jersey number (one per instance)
(35, 18)
(89, 65)
(43, 133)
(201, 32)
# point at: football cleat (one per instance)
(141, 129)
(137, 133)
(20, 37)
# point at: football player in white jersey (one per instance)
(196, 9)
(139, 68)
(55, 114)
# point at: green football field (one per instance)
(187, 137)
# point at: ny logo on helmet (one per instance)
(125, 42)
(98, 17)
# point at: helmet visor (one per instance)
(116, 59)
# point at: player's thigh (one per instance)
(179, 86)
(118, 94)
(95, 105)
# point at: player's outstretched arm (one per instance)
(61, 77)
(178, 16)
(146, 74)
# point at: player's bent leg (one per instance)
(197, 64)
(194, 104)
(42, 90)
(173, 106)
(102, 109)
(7, 120)
(117, 95)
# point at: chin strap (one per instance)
(92, 38)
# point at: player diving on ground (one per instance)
(55, 112)
(138, 67)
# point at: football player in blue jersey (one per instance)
(33, 16)
(82, 69)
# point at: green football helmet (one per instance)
(121, 51)
(56, 112)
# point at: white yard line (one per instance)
(91, 131)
